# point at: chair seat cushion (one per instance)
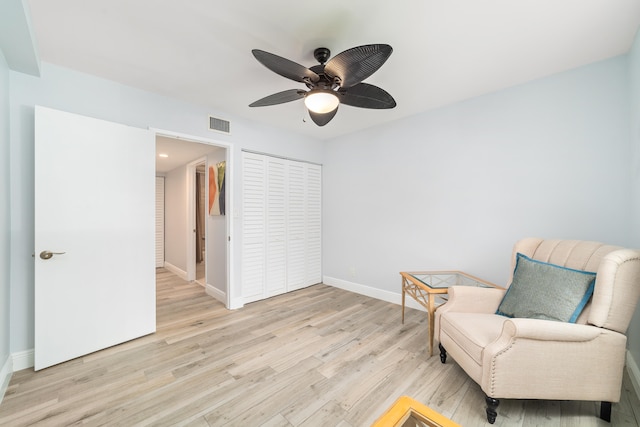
(472, 332)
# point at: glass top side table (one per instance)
(430, 288)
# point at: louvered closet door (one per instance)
(313, 225)
(296, 226)
(253, 226)
(281, 247)
(276, 221)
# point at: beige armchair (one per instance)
(532, 358)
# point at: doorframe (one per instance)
(191, 220)
(229, 217)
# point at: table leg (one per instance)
(403, 293)
(431, 313)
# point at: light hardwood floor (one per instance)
(316, 357)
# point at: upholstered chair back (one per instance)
(617, 286)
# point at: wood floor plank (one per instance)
(579, 414)
(326, 415)
(319, 356)
(251, 403)
(190, 407)
(541, 413)
(629, 401)
(366, 408)
(277, 421)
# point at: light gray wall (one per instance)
(634, 83)
(456, 187)
(175, 217)
(216, 236)
(80, 93)
(5, 224)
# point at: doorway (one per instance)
(197, 246)
(200, 228)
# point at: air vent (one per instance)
(219, 125)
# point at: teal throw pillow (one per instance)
(540, 290)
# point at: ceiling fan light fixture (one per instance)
(321, 101)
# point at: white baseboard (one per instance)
(5, 376)
(15, 362)
(388, 296)
(634, 373)
(216, 293)
(175, 270)
(22, 360)
(235, 303)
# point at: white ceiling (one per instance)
(445, 51)
(179, 152)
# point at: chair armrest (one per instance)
(469, 299)
(548, 330)
(473, 300)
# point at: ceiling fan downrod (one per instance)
(322, 54)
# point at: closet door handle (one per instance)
(49, 254)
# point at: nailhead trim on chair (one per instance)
(612, 296)
(493, 365)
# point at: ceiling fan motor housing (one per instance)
(325, 82)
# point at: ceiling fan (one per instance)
(339, 81)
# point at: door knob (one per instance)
(49, 254)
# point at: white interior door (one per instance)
(94, 202)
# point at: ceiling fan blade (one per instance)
(364, 95)
(356, 64)
(279, 98)
(322, 119)
(285, 67)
